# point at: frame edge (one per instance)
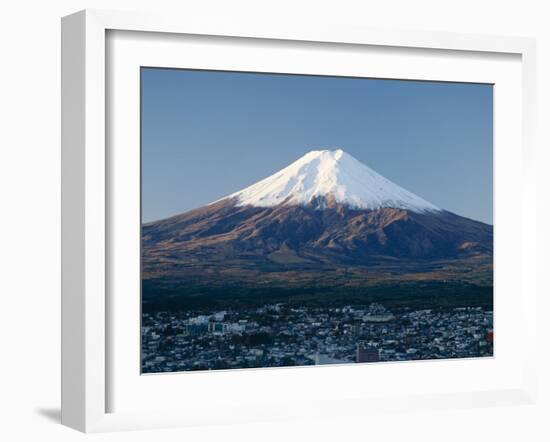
(73, 80)
(83, 386)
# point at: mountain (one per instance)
(332, 175)
(324, 214)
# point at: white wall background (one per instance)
(30, 214)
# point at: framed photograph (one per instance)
(265, 222)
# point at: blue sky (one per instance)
(208, 134)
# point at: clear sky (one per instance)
(209, 134)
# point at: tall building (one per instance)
(367, 354)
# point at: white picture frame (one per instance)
(86, 207)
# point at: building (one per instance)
(367, 354)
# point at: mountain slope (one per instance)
(301, 236)
(324, 211)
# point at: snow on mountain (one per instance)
(330, 174)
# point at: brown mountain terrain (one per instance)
(224, 238)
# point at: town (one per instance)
(279, 335)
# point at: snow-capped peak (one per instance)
(330, 173)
